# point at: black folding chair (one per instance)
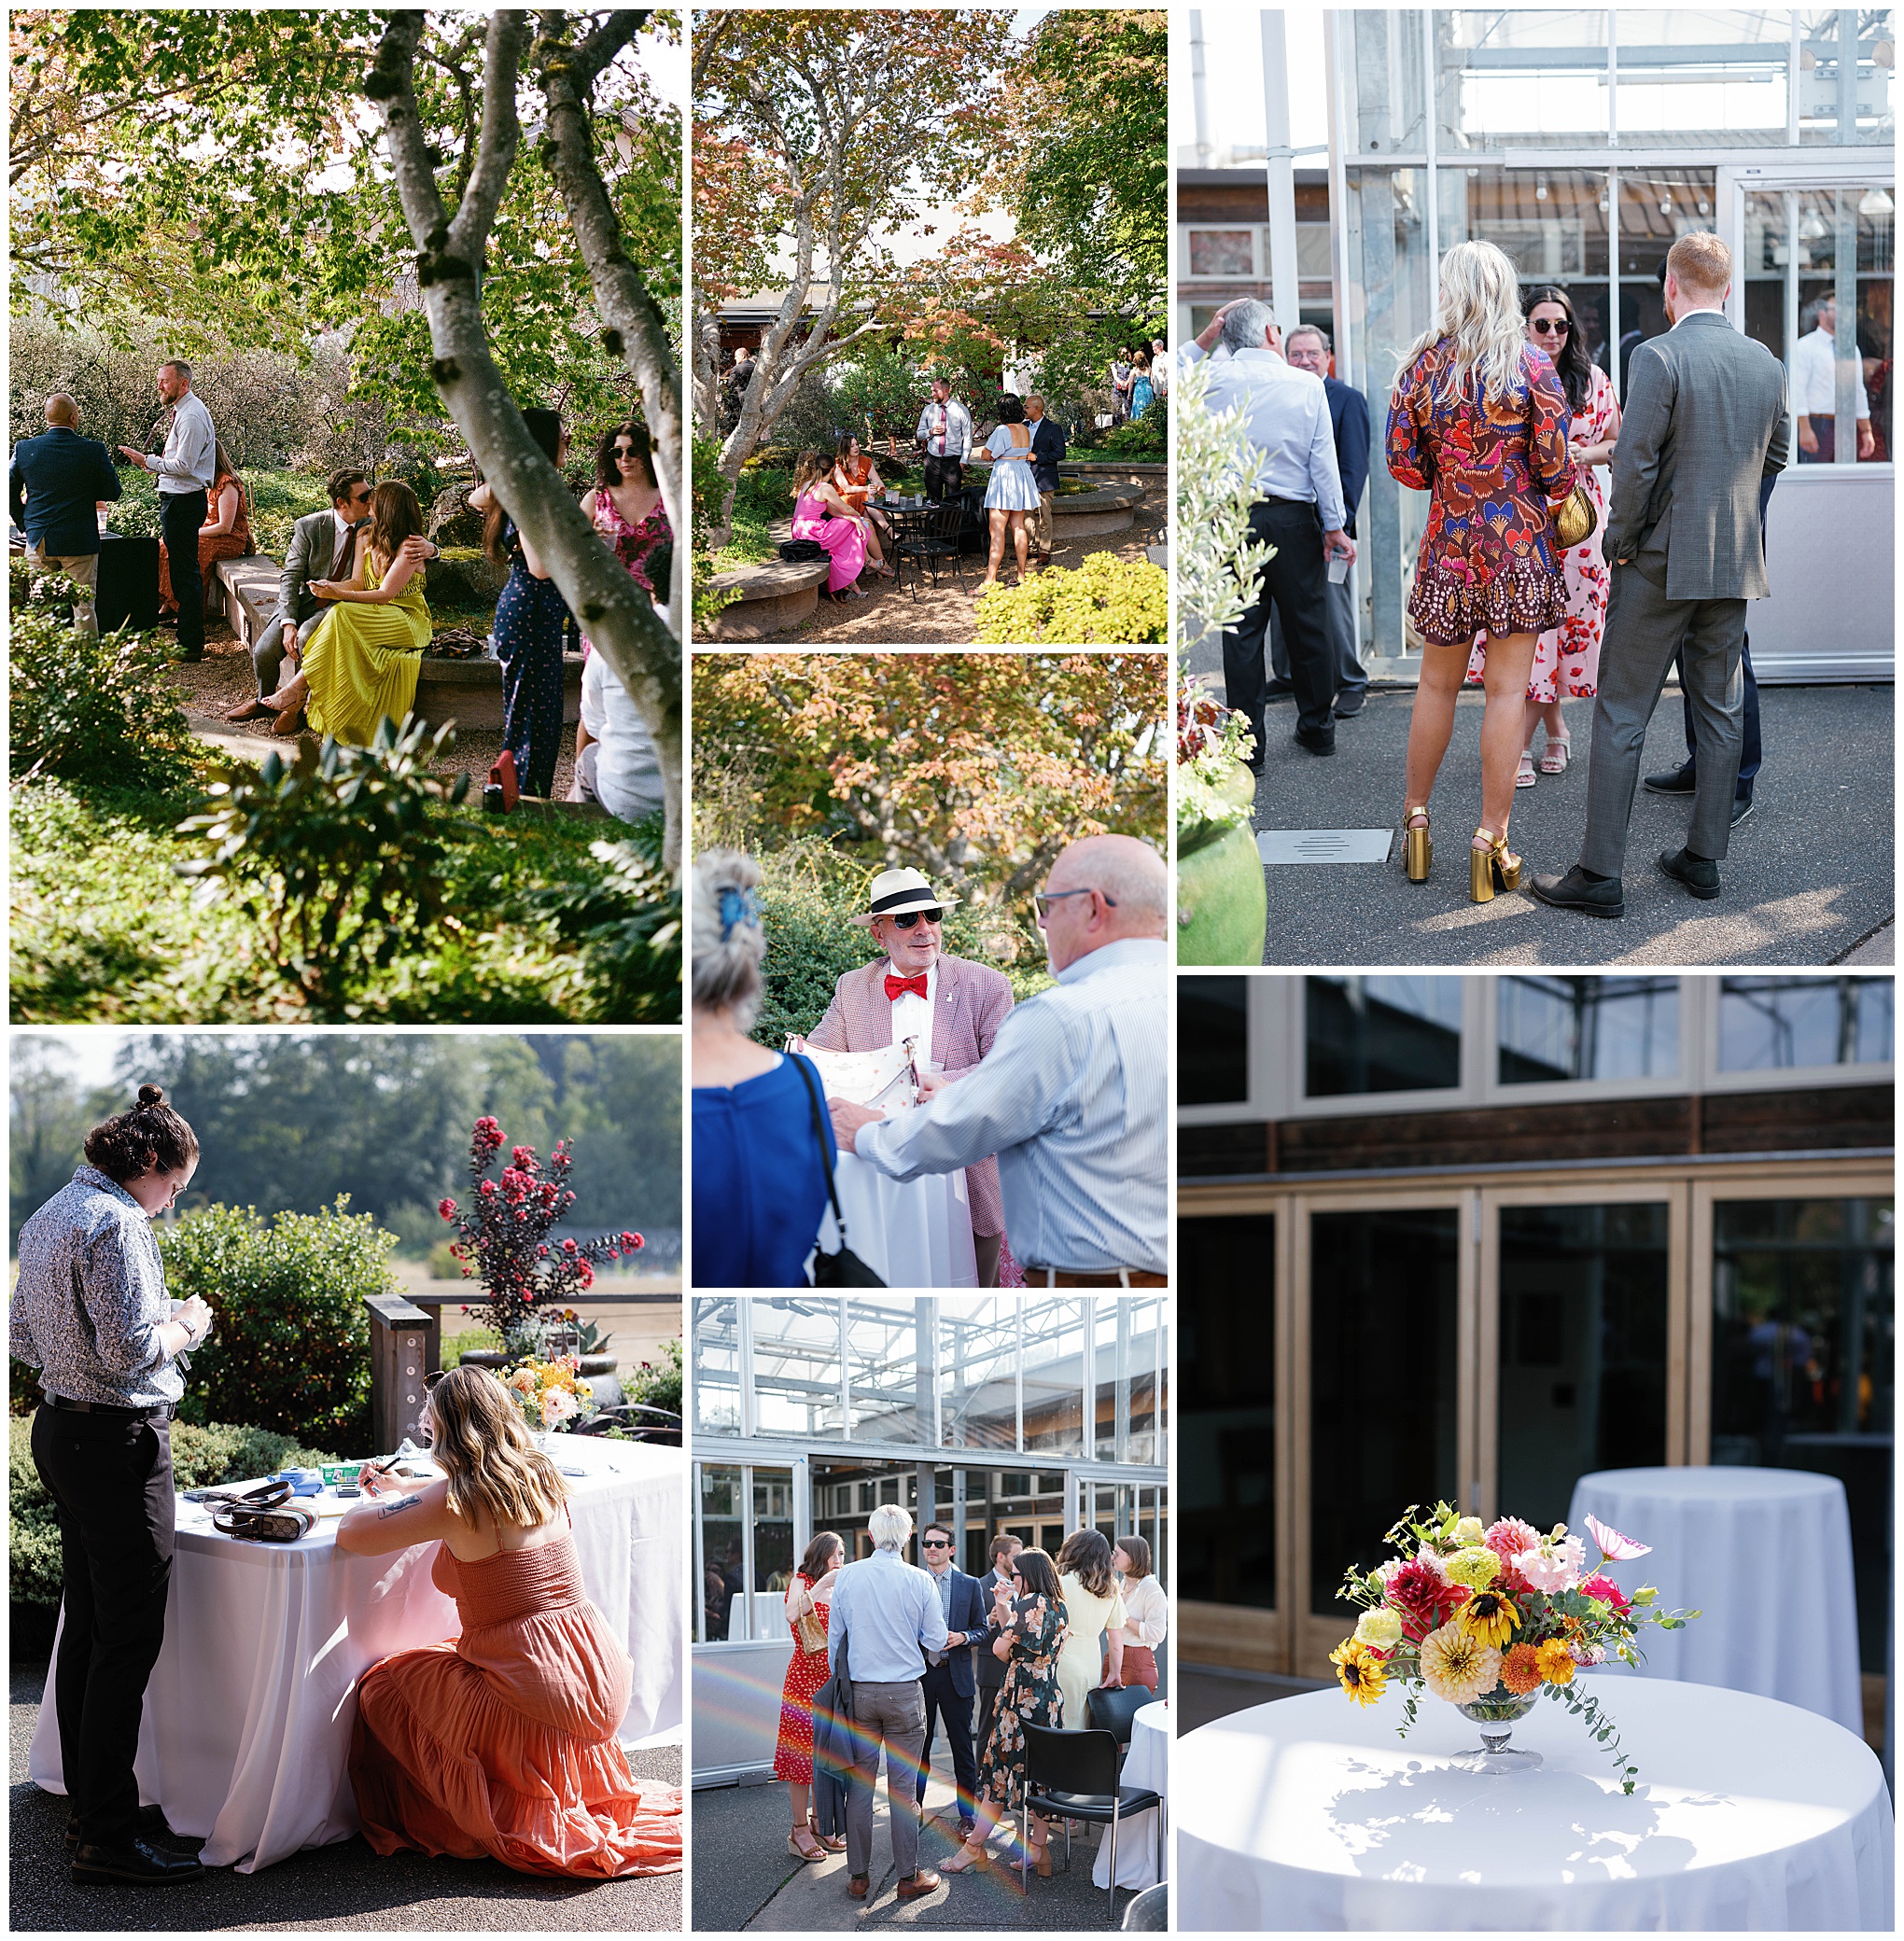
(925, 540)
(1109, 1710)
(664, 1426)
(1073, 1776)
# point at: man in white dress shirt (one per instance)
(1071, 1096)
(1815, 391)
(944, 434)
(1298, 510)
(186, 469)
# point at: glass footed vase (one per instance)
(1495, 1712)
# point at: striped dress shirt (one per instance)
(1072, 1098)
(1286, 420)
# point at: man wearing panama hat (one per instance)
(952, 1006)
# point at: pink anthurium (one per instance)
(1614, 1547)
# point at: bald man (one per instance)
(54, 488)
(1071, 1096)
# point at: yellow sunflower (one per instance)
(1491, 1616)
(1364, 1674)
(1556, 1662)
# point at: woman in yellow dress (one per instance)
(362, 663)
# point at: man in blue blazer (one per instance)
(1308, 350)
(1048, 446)
(52, 488)
(948, 1685)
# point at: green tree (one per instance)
(47, 1121)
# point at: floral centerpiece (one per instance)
(505, 1239)
(1489, 1618)
(550, 1392)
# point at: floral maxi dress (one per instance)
(806, 1671)
(1029, 1694)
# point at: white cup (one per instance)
(1338, 570)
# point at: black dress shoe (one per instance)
(147, 1824)
(1318, 742)
(1700, 874)
(1675, 781)
(1279, 691)
(1592, 896)
(1742, 807)
(134, 1865)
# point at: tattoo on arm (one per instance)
(396, 1509)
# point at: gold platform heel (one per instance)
(1484, 865)
(1418, 845)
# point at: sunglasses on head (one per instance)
(909, 917)
(1551, 326)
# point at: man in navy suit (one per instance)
(52, 488)
(1308, 350)
(948, 1685)
(1048, 445)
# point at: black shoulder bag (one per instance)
(844, 1268)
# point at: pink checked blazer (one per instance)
(968, 1006)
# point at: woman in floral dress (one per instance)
(810, 1595)
(625, 504)
(1030, 1623)
(1566, 661)
(1479, 419)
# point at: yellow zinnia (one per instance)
(1363, 1673)
(1477, 1567)
(1458, 1667)
(1491, 1616)
(1556, 1662)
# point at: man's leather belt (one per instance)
(159, 1411)
(1116, 1277)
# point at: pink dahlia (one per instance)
(1509, 1536)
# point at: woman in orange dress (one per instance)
(225, 535)
(855, 479)
(501, 1742)
(808, 1596)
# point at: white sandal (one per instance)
(1553, 758)
(1525, 777)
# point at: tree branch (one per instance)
(496, 149)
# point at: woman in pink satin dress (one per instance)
(822, 515)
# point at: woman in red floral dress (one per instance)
(810, 1593)
(1479, 419)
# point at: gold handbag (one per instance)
(808, 1629)
(1575, 517)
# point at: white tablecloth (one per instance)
(1765, 1554)
(1146, 1764)
(248, 1712)
(915, 1234)
(1311, 1813)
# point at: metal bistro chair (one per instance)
(665, 1427)
(926, 538)
(1073, 1776)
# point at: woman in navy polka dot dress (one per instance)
(529, 617)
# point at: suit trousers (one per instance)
(1351, 676)
(180, 515)
(268, 649)
(942, 1701)
(110, 1480)
(893, 1716)
(1751, 749)
(1295, 584)
(1645, 633)
(944, 478)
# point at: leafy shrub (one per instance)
(278, 500)
(1105, 600)
(659, 1385)
(1145, 437)
(95, 708)
(629, 921)
(456, 1345)
(290, 1346)
(203, 1457)
(335, 852)
(763, 494)
(709, 487)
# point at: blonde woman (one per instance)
(1480, 420)
(501, 1742)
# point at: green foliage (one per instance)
(1103, 601)
(659, 1385)
(627, 917)
(278, 500)
(1147, 436)
(709, 490)
(203, 1457)
(456, 1345)
(334, 853)
(290, 1346)
(92, 707)
(880, 395)
(763, 494)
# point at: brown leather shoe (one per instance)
(250, 711)
(289, 723)
(859, 1886)
(914, 1886)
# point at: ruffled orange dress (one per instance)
(502, 1741)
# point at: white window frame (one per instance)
(1191, 280)
(1785, 1077)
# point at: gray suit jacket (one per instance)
(1704, 420)
(311, 555)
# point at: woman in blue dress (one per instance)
(1013, 491)
(760, 1163)
(1143, 393)
(529, 617)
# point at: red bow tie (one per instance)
(896, 988)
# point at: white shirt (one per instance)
(1287, 418)
(1814, 377)
(1146, 1611)
(189, 460)
(912, 1016)
(1160, 372)
(627, 772)
(946, 429)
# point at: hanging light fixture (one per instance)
(1813, 226)
(1540, 188)
(1875, 202)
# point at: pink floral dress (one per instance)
(1566, 659)
(633, 543)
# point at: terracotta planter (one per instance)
(1222, 909)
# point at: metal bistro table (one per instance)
(917, 537)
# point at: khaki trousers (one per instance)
(82, 570)
(1038, 525)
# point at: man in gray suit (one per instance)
(322, 548)
(1704, 422)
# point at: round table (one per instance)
(1764, 1555)
(914, 1234)
(1140, 1838)
(1311, 1813)
(248, 1711)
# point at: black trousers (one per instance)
(180, 515)
(955, 1710)
(944, 478)
(1295, 583)
(111, 1483)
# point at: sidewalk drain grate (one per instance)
(1276, 845)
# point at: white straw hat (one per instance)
(893, 892)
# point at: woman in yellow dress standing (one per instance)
(362, 663)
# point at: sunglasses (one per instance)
(910, 917)
(1042, 901)
(1552, 327)
(937, 1543)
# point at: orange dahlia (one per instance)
(1521, 1669)
(1556, 1662)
